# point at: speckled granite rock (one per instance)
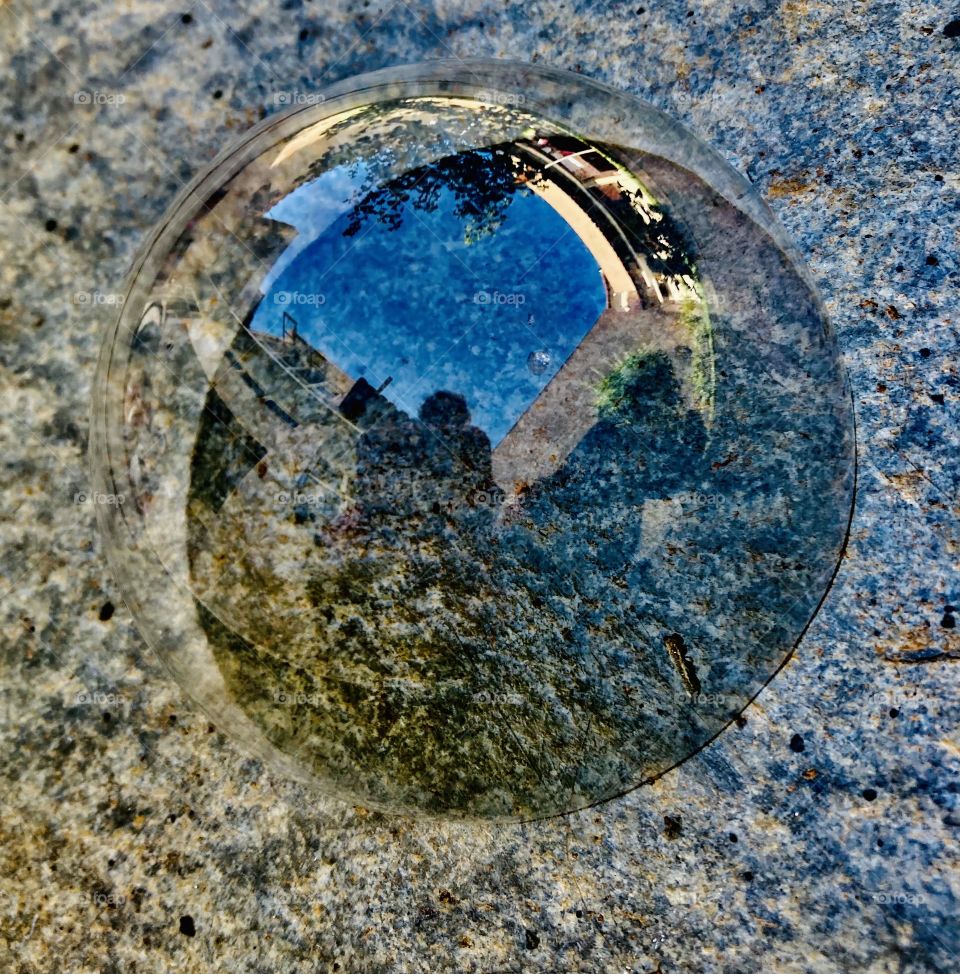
(136, 838)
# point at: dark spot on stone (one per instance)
(106, 612)
(894, 712)
(207, 43)
(925, 353)
(262, 469)
(869, 793)
(932, 260)
(74, 149)
(948, 621)
(672, 826)
(111, 863)
(641, 10)
(122, 814)
(172, 719)
(531, 939)
(742, 721)
(187, 927)
(172, 817)
(50, 225)
(937, 397)
(19, 136)
(106, 717)
(186, 19)
(898, 268)
(747, 875)
(938, 178)
(210, 728)
(733, 837)
(796, 744)
(580, 914)
(305, 33)
(218, 94)
(952, 29)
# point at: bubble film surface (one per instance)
(480, 447)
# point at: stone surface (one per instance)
(136, 837)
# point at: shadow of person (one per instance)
(468, 664)
(646, 446)
(416, 476)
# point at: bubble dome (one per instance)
(480, 446)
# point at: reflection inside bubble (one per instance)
(513, 462)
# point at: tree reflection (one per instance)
(482, 183)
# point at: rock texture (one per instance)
(819, 835)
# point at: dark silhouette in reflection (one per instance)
(431, 589)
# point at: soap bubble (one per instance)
(403, 558)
